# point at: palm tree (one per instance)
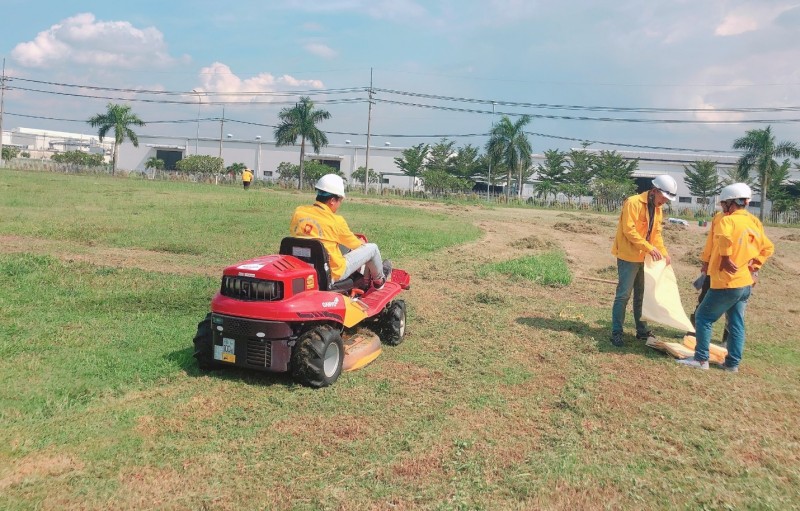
(154, 163)
(508, 145)
(120, 119)
(760, 151)
(301, 121)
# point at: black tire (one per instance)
(318, 356)
(204, 345)
(392, 323)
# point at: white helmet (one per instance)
(735, 191)
(667, 185)
(331, 183)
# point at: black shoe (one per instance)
(378, 283)
(644, 335)
(616, 339)
(387, 269)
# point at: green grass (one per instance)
(505, 395)
(548, 269)
(222, 224)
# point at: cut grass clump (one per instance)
(548, 269)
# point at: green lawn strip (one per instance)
(547, 269)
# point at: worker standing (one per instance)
(638, 235)
(247, 178)
(739, 248)
(705, 281)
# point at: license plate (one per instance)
(226, 352)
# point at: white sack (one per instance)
(662, 301)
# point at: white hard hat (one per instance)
(735, 191)
(332, 184)
(667, 185)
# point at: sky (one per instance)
(623, 74)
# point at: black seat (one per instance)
(313, 252)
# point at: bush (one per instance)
(79, 158)
(201, 164)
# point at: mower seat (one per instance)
(313, 252)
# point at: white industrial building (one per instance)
(44, 143)
(264, 157)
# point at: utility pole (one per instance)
(369, 132)
(2, 98)
(221, 126)
(489, 180)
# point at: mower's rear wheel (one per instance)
(204, 345)
(317, 357)
(392, 323)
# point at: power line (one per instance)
(592, 108)
(584, 118)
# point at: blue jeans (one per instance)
(631, 278)
(732, 303)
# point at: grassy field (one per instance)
(505, 395)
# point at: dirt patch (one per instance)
(534, 242)
(148, 260)
(38, 466)
(576, 227)
(791, 237)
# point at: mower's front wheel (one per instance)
(317, 357)
(204, 345)
(392, 323)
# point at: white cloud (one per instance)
(82, 40)
(219, 79)
(321, 50)
(752, 17)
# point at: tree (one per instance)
(465, 163)
(551, 174)
(412, 162)
(9, 153)
(119, 118)
(301, 121)
(441, 156)
(702, 179)
(581, 164)
(154, 163)
(358, 175)
(201, 164)
(313, 170)
(508, 145)
(236, 168)
(610, 165)
(760, 151)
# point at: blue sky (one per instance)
(697, 60)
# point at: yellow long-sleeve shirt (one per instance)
(706, 254)
(630, 243)
(318, 221)
(740, 236)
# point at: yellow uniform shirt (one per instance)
(741, 236)
(318, 221)
(630, 243)
(706, 254)
(247, 176)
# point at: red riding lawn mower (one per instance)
(282, 313)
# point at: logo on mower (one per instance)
(334, 303)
